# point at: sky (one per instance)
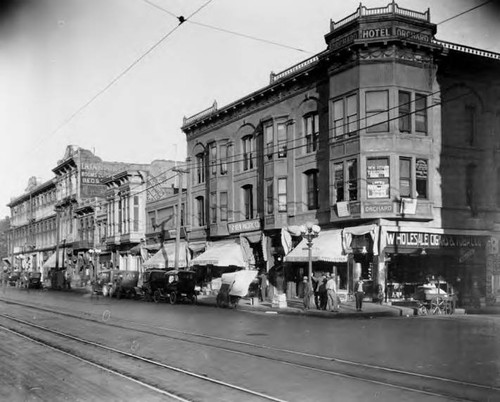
(81, 72)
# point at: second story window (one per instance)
(200, 168)
(248, 201)
(377, 177)
(338, 169)
(470, 188)
(311, 129)
(270, 196)
(223, 206)
(312, 189)
(248, 145)
(352, 179)
(404, 111)
(213, 207)
(200, 211)
(421, 177)
(405, 177)
(282, 199)
(377, 111)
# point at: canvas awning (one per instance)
(165, 257)
(326, 247)
(222, 254)
(51, 262)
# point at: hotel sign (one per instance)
(419, 239)
(243, 226)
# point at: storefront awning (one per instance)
(165, 257)
(222, 254)
(326, 247)
(51, 262)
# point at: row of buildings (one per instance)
(389, 140)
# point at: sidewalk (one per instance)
(295, 307)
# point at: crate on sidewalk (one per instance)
(279, 301)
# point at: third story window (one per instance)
(404, 111)
(281, 129)
(420, 113)
(311, 128)
(377, 111)
(248, 144)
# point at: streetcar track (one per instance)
(290, 352)
(87, 361)
(130, 355)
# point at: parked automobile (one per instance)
(34, 280)
(102, 283)
(152, 280)
(180, 285)
(124, 284)
(13, 278)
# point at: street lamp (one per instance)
(310, 232)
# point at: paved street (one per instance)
(460, 348)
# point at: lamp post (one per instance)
(310, 232)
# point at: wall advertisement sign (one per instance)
(378, 189)
(421, 239)
(243, 226)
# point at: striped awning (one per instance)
(222, 254)
(165, 257)
(326, 247)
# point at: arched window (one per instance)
(311, 131)
(248, 148)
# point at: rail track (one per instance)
(414, 382)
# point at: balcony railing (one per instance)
(467, 49)
(198, 116)
(391, 8)
(292, 70)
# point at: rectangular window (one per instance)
(223, 160)
(269, 136)
(282, 199)
(281, 129)
(421, 178)
(200, 210)
(311, 127)
(213, 157)
(213, 207)
(270, 196)
(120, 216)
(223, 206)
(136, 213)
(352, 179)
(377, 111)
(339, 181)
(404, 112)
(200, 168)
(312, 190)
(338, 118)
(421, 113)
(405, 177)
(470, 188)
(352, 114)
(345, 115)
(248, 201)
(248, 152)
(377, 178)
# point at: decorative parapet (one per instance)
(292, 70)
(198, 116)
(467, 49)
(391, 8)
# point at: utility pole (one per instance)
(178, 215)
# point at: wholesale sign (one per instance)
(419, 239)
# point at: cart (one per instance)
(433, 300)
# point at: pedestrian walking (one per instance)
(359, 294)
(308, 293)
(331, 291)
(323, 295)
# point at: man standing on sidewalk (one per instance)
(331, 291)
(359, 294)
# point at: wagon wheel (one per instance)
(438, 305)
(449, 308)
(173, 298)
(193, 299)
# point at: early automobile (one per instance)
(152, 280)
(13, 278)
(113, 282)
(179, 285)
(34, 280)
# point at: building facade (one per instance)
(387, 140)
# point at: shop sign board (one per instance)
(378, 189)
(422, 239)
(343, 209)
(378, 208)
(243, 226)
